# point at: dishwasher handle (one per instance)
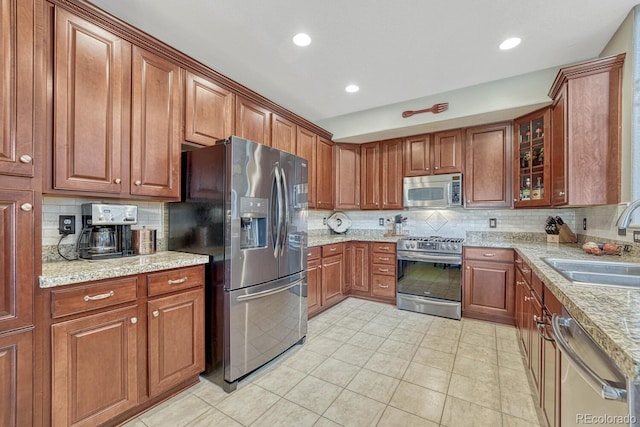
(606, 390)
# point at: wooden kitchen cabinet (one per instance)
(314, 280)
(325, 277)
(253, 122)
(306, 148)
(531, 163)
(16, 378)
(209, 110)
(586, 127)
(324, 174)
(373, 271)
(17, 88)
(381, 175)
(550, 390)
(488, 177)
(347, 176)
(437, 153)
(488, 290)
(156, 128)
(95, 367)
(357, 267)
(283, 134)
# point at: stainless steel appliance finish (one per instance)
(106, 230)
(592, 389)
(432, 191)
(245, 205)
(429, 275)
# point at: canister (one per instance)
(144, 241)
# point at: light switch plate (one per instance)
(493, 222)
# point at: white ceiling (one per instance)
(395, 51)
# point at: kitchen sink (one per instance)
(606, 273)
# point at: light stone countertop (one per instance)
(69, 272)
(349, 237)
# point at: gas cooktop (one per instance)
(431, 244)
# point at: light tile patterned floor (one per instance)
(370, 364)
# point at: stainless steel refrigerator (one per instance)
(245, 205)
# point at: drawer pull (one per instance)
(518, 261)
(117, 180)
(528, 298)
(383, 286)
(384, 270)
(177, 281)
(384, 248)
(25, 158)
(489, 254)
(155, 313)
(333, 249)
(308, 253)
(26, 207)
(384, 258)
(134, 320)
(526, 271)
(99, 296)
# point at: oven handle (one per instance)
(429, 300)
(443, 259)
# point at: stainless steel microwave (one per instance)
(433, 191)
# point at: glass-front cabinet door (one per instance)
(531, 160)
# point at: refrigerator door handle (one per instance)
(277, 221)
(285, 222)
(263, 294)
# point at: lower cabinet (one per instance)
(373, 271)
(325, 277)
(109, 358)
(357, 267)
(16, 378)
(488, 290)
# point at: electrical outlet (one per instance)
(381, 222)
(636, 236)
(493, 222)
(67, 224)
(584, 223)
(324, 221)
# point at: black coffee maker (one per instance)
(106, 230)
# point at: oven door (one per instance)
(430, 287)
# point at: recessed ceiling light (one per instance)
(510, 43)
(302, 39)
(352, 88)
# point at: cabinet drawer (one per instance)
(523, 267)
(489, 254)
(174, 280)
(537, 286)
(384, 269)
(378, 258)
(335, 249)
(93, 296)
(383, 286)
(384, 247)
(314, 253)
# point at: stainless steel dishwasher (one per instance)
(592, 388)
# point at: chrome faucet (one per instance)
(625, 217)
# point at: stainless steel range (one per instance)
(430, 275)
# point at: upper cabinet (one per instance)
(381, 175)
(209, 110)
(324, 174)
(532, 169)
(253, 122)
(487, 179)
(17, 88)
(586, 126)
(306, 148)
(347, 173)
(437, 153)
(283, 134)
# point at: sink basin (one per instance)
(606, 273)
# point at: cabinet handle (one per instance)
(358, 204)
(155, 313)
(488, 254)
(536, 318)
(320, 266)
(383, 270)
(25, 158)
(99, 296)
(333, 249)
(520, 283)
(384, 248)
(26, 207)
(117, 180)
(384, 258)
(384, 203)
(376, 203)
(515, 200)
(518, 261)
(468, 268)
(134, 320)
(177, 281)
(561, 193)
(382, 286)
(138, 183)
(468, 201)
(308, 253)
(437, 167)
(526, 298)
(526, 271)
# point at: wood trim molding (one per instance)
(584, 69)
(139, 38)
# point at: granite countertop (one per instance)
(339, 238)
(610, 315)
(69, 272)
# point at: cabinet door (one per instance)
(16, 379)
(531, 166)
(535, 340)
(361, 267)
(307, 150)
(391, 152)
(283, 134)
(156, 131)
(16, 259)
(349, 268)
(447, 152)
(347, 176)
(370, 176)
(417, 155)
(489, 290)
(324, 174)
(487, 181)
(383, 286)
(91, 105)
(314, 286)
(208, 111)
(332, 276)
(253, 122)
(559, 190)
(16, 87)
(175, 339)
(94, 367)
